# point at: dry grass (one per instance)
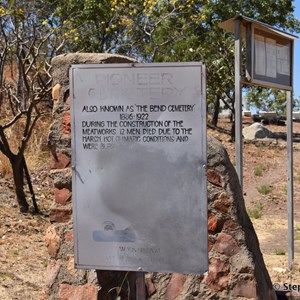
(37, 153)
(5, 168)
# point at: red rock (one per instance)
(43, 295)
(210, 243)
(214, 177)
(175, 286)
(223, 203)
(226, 244)
(81, 292)
(52, 241)
(52, 271)
(66, 122)
(245, 288)
(218, 274)
(62, 196)
(212, 223)
(60, 215)
(230, 225)
(61, 161)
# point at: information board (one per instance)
(138, 158)
(272, 60)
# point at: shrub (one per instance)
(265, 189)
(256, 212)
(279, 252)
(259, 170)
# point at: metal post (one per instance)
(238, 103)
(140, 286)
(289, 99)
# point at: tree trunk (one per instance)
(216, 112)
(28, 179)
(18, 175)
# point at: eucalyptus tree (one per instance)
(169, 30)
(267, 100)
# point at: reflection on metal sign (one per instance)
(139, 155)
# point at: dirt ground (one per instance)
(265, 165)
(23, 256)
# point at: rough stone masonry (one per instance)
(236, 266)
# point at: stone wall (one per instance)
(236, 266)
(63, 281)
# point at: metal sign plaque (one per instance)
(139, 155)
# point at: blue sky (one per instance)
(297, 55)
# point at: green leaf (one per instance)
(11, 4)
